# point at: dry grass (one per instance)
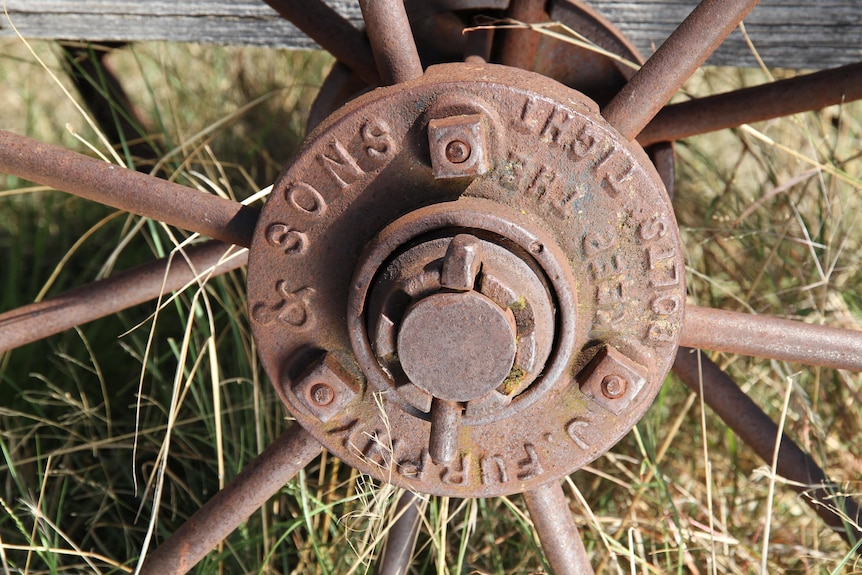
(85, 416)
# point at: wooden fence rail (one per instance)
(792, 34)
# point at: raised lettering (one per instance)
(530, 467)
(661, 331)
(609, 315)
(671, 279)
(305, 198)
(541, 182)
(557, 124)
(605, 266)
(574, 430)
(655, 227)
(452, 476)
(294, 309)
(585, 142)
(597, 242)
(656, 256)
(376, 136)
(667, 304)
(528, 122)
(340, 165)
(284, 237)
(493, 470)
(610, 293)
(379, 451)
(616, 181)
(512, 175)
(416, 468)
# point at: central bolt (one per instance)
(457, 346)
(457, 151)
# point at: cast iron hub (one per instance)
(468, 284)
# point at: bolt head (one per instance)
(613, 386)
(457, 151)
(322, 394)
(458, 146)
(612, 380)
(324, 389)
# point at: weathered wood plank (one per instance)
(795, 34)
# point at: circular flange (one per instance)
(555, 169)
(522, 269)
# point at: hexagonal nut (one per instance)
(324, 389)
(458, 146)
(612, 380)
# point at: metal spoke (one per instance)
(520, 46)
(759, 432)
(555, 525)
(391, 40)
(128, 190)
(676, 59)
(99, 299)
(251, 488)
(772, 338)
(401, 538)
(773, 100)
(334, 34)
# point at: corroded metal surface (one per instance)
(401, 537)
(582, 212)
(257, 482)
(471, 283)
(128, 190)
(772, 100)
(549, 510)
(673, 63)
(392, 41)
(333, 32)
(116, 293)
(772, 337)
(828, 499)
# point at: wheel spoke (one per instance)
(773, 100)
(128, 190)
(772, 338)
(391, 40)
(334, 34)
(99, 299)
(759, 432)
(555, 525)
(520, 46)
(401, 538)
(676, 59)
(251, 488)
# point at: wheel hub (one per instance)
(467, 284)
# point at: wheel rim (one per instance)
(411, 73)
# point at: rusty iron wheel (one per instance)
(475, 265)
